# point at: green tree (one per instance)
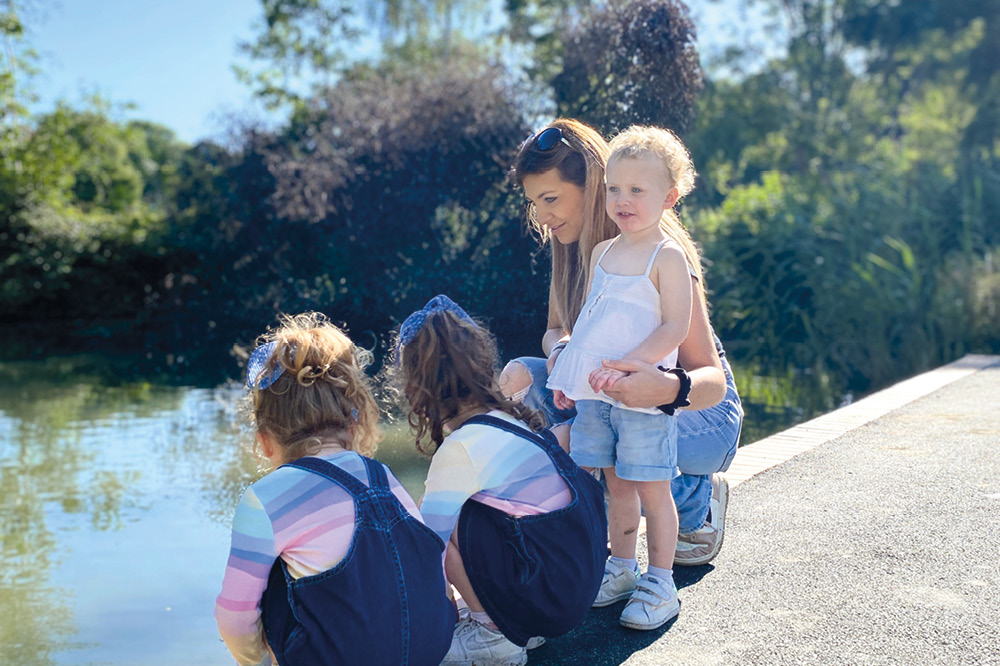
(630, 63)
(849, 220)
(91, 215)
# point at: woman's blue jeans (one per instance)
(706, 441)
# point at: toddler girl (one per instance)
(525, 527)
(330, 562)
(638, 307)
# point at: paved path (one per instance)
(877, 543)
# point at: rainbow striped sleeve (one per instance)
(451, 479)
(237, 609)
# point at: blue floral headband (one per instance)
(412, 324)
(256, 377)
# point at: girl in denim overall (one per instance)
(330, 561)
(525, 527)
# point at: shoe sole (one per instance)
(705, 559)
(649, 627)
(516, 662)
(521, 661)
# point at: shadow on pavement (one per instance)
(601, 641)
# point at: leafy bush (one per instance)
(390, 192)
(77, 237)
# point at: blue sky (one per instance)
(173, 59)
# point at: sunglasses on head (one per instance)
(548, 138)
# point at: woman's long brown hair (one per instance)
(582, 164)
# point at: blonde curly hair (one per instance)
(642, 140)
(323, 393)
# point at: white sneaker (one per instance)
(702, 545)
(464, 612)
(476, 644)
(618, 583)
(652, 605)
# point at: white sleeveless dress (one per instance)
(621, 311)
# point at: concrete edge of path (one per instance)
(766, 453)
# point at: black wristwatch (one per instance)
(682, 393)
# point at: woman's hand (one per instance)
(642, 384)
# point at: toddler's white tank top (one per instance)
(620, 312)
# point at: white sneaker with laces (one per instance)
(618, 583)
(652, 605)
(476, 644)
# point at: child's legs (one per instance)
(646, 456)
(661, 522)
(455, 570)
(623, 514)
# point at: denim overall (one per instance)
(537, 575)
(384, 604)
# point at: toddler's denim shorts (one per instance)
(640, 446)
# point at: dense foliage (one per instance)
(642, 52)
(367, 220)
(847, 203)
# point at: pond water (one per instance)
(115, 498)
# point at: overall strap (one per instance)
(376, 474)
(652, 258)
(327, 469)
(546, 440)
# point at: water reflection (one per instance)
(775, 401)
(115, 501)
(116, 495)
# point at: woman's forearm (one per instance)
(647, 386)
(551, 337)
(708, 388)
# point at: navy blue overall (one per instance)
(537, 575)
(384, 604)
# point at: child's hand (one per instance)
(560, 400)
(604, 378)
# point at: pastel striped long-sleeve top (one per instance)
(296, 515)
(494, 467)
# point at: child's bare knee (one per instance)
(561, 431)
(654, 493)
(514, 378)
